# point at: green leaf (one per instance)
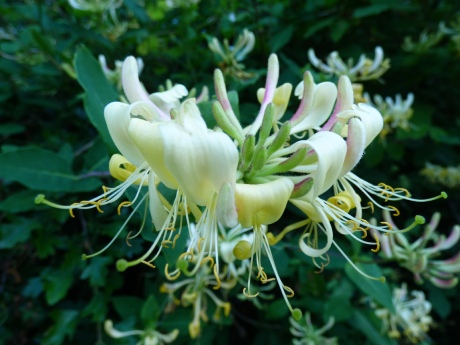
(99, 92)
(362, 322)
(19, 202)
(150, 312)
(127, 306)
(56, 284)
(11, 129)
(279, 40)
(15, 233)
(43, 170)
(96, 271)
(277, 310)
(65, 323)
(97, 307)
(375, 289)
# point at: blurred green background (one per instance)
(48, 295)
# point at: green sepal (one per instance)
(302, 188)
(224, 122)
(287, 165)
(267, 124)
(280, 138)
(247, 152)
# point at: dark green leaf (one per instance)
(375, 289)
(43, 170)
(99, 92)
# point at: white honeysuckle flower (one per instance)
(396, 113)
(148, 336)
(280, 98)
(258, 206)
(418, 257)
(95, 5)
(365, 69)
(412, 317)
(317, 101)
(211, 157)
(196, 292)
(231, 56)
(114, 76)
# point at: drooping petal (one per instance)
(146, 136)
(356, 143)
(117, 117)
(371, 118)
(132, 87)
(280, 99)
(156, 208)
(262, 203)
(201, 161)
(315, 252)
(331, 150)
(169, 99)
(318, 111)
(344, 101)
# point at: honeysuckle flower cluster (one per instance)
(95, 5)
(420, 258)
(114, 75)
(103, 16)
(453, 30)
(230, 57)
(425, 42)
(147, 337)
(364, 69)
(230, 184)
(305, 333)
(196, 292)
(411, 318)
(448, 176)
(396, 113)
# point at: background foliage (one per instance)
(52, 143)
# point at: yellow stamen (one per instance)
(165, 243)
(127, 239)
(207, 259)
(148, 264)
(123, 204)
(377, 243)
(395, 210)
(387, 224)
(171, 277)
(216, 275)
(183, 255)
(355, 224)
(249, 295)
(371, 205)
(289, 290)
(174, 240)
(200, 241)
(404, 190)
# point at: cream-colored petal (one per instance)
(117, 116)
(262, 203)
(330, 149)
(146, 136)
(356, 143)
(169, 99)
(315, 114)
(156, 207)
(201, 162)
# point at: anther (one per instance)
(249, 295)
(390, 227)
(216, 275)
(377, 243)
(395, 210)
(148, 264)
(123, 204)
